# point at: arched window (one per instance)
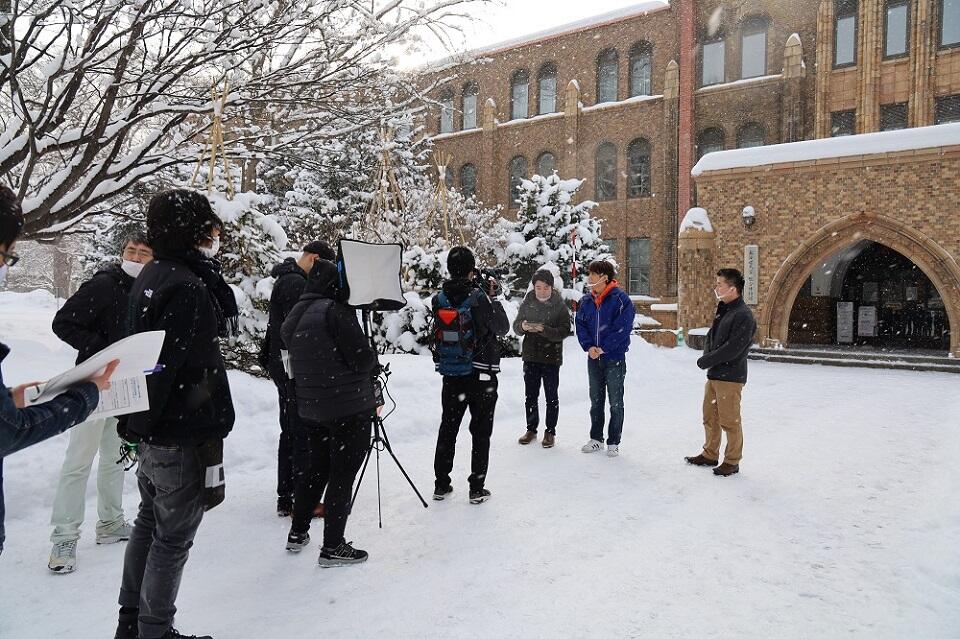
(606, 172)
(753, 47)
(547, 84)
(468, 180)
(638, 178)
(470, 93)
(708, 141)
(446, 112)
(641, 63)
(518, 173)
(519, 95)
(750, 135)
(546, 164)
(608, 76)
(448, 177)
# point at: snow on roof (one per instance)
(696, 219)
(630, 11)
(865, 144)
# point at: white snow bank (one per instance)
(696, 219)
(664, 307)
(865, 144)
(702, 331)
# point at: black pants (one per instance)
(291, 451)
(549, 374)
(336, 451)
(459, 394)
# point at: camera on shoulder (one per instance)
(488, 280)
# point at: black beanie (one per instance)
(321, 248)
(544, 276)
(460, 262)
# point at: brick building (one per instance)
(631, 100)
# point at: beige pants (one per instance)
(721, 412)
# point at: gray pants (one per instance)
(171, 488)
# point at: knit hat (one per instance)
(460, 262)
(321, 248)
(544, 276)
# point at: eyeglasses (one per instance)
(9, 259)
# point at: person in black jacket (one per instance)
(191, 410)
(476, 390)
(291, 276)
(725, 360)
(543, 321)
(333, 367)
(22, 426)
(93, 318)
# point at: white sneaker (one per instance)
(613, 450)
(63, 557)
(592, 446)
(122, 533)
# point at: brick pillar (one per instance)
(697, 264)
(821, 121)
(671, 126)
(488, 159)
(922, 62)
(869, 56)
(569, 162)
(688, 70)
(792, 104)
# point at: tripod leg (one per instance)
(360, 478)
(389, 449)
(379, 505)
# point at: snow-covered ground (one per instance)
(843, 522)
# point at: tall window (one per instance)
(519, 95)
(896, 32)
(608, 76)
(893, 116)
(547, 85)
(845, 33)
(470, 93)
(712, 63)
(606, 172)
(641, 62)
(949, 23)
(468, 180)
(546, 164)
(638, 159)
(638, 266)
(612, 247)
(708, 141)
(948, 109)
(753, 48)
(843, 123)
(750, 135)
(448, 177)
(446, 112)
(518, 173)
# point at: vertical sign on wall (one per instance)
(751, 273)
(844, 322)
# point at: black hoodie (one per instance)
(287, 289)
(332, 360)
(96, 315)
(490, 321)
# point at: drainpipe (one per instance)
(688, 69)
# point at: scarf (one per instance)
(224, 301)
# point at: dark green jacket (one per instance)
(545, 347)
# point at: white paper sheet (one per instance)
(125, 396)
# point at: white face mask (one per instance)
(3, 273)
(717, 295)
(131, 268)
(211, 251)
(545, 298)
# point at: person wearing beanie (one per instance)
(543, 321)
(467, 353)
(191, 408)
(290, 279)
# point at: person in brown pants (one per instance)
(725, 360)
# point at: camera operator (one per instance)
(467, 354)
(333, 366)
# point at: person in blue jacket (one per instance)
(22, 427)
(604, 324)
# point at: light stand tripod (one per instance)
(380, 441)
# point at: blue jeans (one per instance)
(606, 379)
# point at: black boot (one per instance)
(127, 624)
(173, 634)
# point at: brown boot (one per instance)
(529, 436)
(700, 460)
(725, 469)
(549, 439)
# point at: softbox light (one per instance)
(370, 275)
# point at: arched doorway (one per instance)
(869, 295)
(939, 266)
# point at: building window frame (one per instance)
(469, 119)
(836, 116)
(846, 9)
(638, 269)
(547, 73)
(888, 5)
(640, 81)
(608, 66)
(712, 136)
(750, 132)
(941, 11)
(540, 163)
(517, 171)
(944, 104)
(446, 112)
(639, 170)
(752, 26)
(703, 60)
(899, 111)
(468, 180)
(605, 172)
(520, 79)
